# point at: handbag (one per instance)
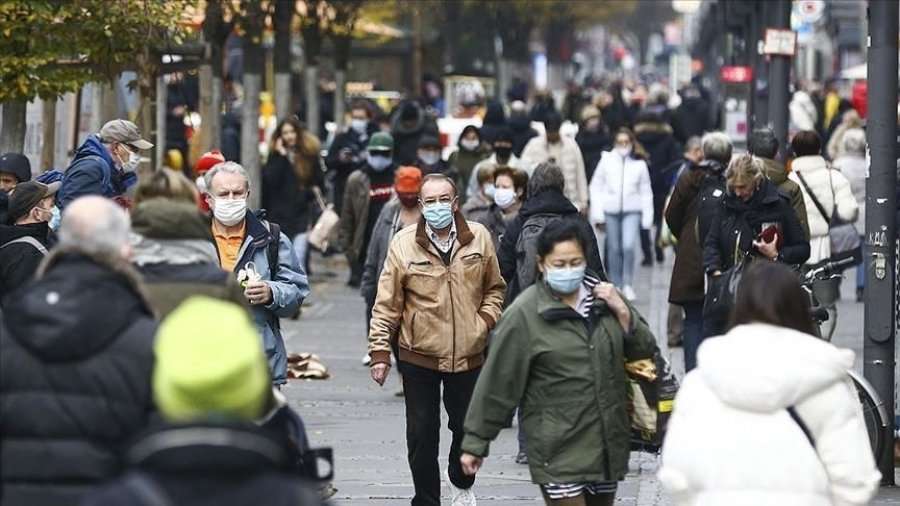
(651, 395)
(721, 293)
(843, 236)
(320, 235)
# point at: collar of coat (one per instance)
(258, 236)
(112, 262)
(463, 234)
(551, 308)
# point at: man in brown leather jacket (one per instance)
(439, 295)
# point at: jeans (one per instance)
(621, 241)
(423, 424)
(301, 249)
(693, 332)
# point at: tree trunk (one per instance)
(214, 34)
(162, 93)
(207, 113)
(48, 145)
(13, 136)
(284, 13)
(311, 81)
(253, 67)
(341, 62)
(417, 68)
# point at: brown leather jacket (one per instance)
(440, 314)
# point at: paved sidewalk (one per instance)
(365, 424)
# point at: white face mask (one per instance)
(230, 212)
(469, 144)
(359, 125)
(134, 161)
(504, 197)
(429, 157)
(623, 151)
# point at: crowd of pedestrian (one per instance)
(140, 334)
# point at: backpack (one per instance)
(526, 248)
(272, 249)
(709, 203)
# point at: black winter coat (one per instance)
(657, 139)
(738, 223)
(592, 146)
(207, 465)
(19, 261)
(76, 357)
(356, 144)
(285, 201)
(691, 118)
(406, 139)
(546, 202)
(522, 132)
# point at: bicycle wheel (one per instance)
(874, 413)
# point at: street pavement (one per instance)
(365, 424)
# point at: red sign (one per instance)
(736, 74)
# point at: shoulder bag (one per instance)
(844, 238)
(320, 235)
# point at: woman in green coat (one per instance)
(559, 352)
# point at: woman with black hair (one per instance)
(775, 397)
(559, 352)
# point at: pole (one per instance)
(881, 226)
(779, 74)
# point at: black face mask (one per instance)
(503, 152)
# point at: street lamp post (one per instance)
(779, 75)
(881, 226)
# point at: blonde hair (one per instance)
(166, 183)
(744, 170)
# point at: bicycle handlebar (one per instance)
(830, 268)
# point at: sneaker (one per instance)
(460, 496)
(628, 292)
(366, 360)
(522, 458)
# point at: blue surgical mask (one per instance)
(564, 281)
(438, 215)
(55, 218)
(377, 162)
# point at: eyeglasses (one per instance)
(443, 199)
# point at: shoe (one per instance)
(628, 292)
(659, 256)
(647, 262)
(460, 496)
(860, 295)
(675, 342)
(522, 458)
(366, 360)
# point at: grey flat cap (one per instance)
(125, 132)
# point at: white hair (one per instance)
(717, 146)
(854, 141)
(95, 225)
(228, 168)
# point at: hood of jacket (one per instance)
(76, 306)
(808, 163)
(92, 146)
(401, 130)
(37, 230)
(494, 114)
(774, 170)
(167, 219)
(763, 368)
(547, 202)
(712, 167)
(519, 122)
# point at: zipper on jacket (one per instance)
(452, 318)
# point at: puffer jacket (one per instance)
(735, 387)
(621, 185)
(174, 250)
(20, 260)
(568, 158)
(854, 168)
(774, 170)
(289, 287)
(93, 172)
(76, 358)
(832, 190)
(568, 377)
(440, 314)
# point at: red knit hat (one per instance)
(408, 180)
(207, 161)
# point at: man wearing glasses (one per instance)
(105, 164)
(439, 295)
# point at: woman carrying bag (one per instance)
(559, 352)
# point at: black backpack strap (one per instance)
(792, 411)
(272, 248)
(814, 199)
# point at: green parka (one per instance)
(568, 375)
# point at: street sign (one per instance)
(810, 11)
(780, 42)
(736, 74)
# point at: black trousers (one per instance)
(423, 423)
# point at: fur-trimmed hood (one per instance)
(78, 303)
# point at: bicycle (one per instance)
(874, 412)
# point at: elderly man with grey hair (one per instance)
(696, 198)
(260, 256)
(76, 358)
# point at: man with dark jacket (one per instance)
(520, 126)
(700, 188)
(76, 357)
(368, 190)
(546, 201)
(105, 164)
(655, 135)
(24, 241)
(210, 387)
(14, 169)
(409, 124)
(348, 151)
(764, 145)
(691, 117)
